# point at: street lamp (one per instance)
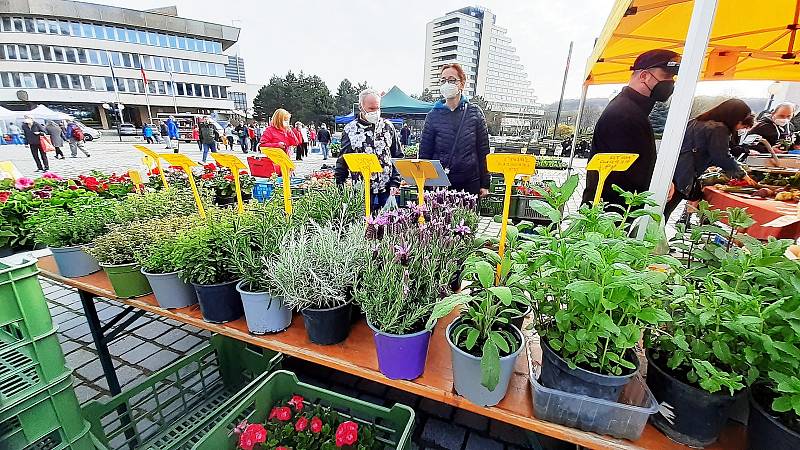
(116, 107)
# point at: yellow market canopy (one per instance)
(750, 40)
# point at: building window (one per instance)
(15, 80)
(76, 81)
(180, 88)
(11, 49)
(63, 80)
(28, 81)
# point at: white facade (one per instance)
(470, 37)
(75, 56)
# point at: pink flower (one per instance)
(23, 183)
(301, 425)
(297, 402)
(281, 448)
(51, 176)
(257, 432)
(282, 413)
(246, 441)
(316, 425)
(346, 434)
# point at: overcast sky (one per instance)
(383, 42)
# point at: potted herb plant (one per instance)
(67, 232)
(483, 344)
(158, 265)
(219, 180)
(252, 245)
(116, 250)
(315, 270)
(206, 265)
(593, 294)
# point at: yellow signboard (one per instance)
(366, 164)
(510, 165)
(605, 163)
(235, 165)
(279, 157)
(420, 170)
(156, 160)
(136, 179)
(176, 159)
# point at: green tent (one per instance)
(398, 102)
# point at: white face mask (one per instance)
(286, 124)
(372, 117)
(781, 122)
(448, 90)
(29, 121)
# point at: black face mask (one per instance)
(663, 90)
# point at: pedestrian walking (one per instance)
(229, 140)
(324, 138)
(196, 136)
(405, 135)
(244, 138)
(75, 138)
(165, 134)
(174, 135)
(15, 132)
(312, 136)
(251, 134)
(33, 131)
(57, 137)
(302, 135)
(147, 132)
(207, 136)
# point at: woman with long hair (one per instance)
(705, 144)
(279, 134)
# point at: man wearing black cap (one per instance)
(624, 126)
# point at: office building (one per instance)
(470, 36)
(75, 56)
(234, 70)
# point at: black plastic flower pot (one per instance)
(327, 326)
(219, 303)
(687, 415)
(556, 374)
(765, 431)
(518, 320)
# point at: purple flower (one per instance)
(402, 253)
(461, 229)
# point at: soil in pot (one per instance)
(556, 374)
(219, 303)
(401, 356)
(73, 262)
(170, 291)
(767, 430)
(697, 416)
(327, 326)
(127, 280)
(263, 312)
(467, 371)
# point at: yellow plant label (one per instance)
(156, 160)
(420, 170)
(235, 165)
(366, 164)
(176, 159)
(136, 179)
(605, 163)
(279, 157)
(10, 170)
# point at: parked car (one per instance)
(89, 133)
(128, 129)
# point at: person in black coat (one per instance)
(772, 128)
(455, 133)
(705, 144)
(405, 134)
(624, 126)
(32, 131)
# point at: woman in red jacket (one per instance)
(279, 133)
(196, 136)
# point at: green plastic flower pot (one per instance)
(127, 280)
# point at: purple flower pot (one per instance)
(401, 356)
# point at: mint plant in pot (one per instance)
(158, 264)
(594, 297)
(205, 264)
(253, 243)
(483, 344)
(67, 232)
(315, 270)
(116, 252)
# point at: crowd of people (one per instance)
(52, 135)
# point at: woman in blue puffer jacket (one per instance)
(455, 133)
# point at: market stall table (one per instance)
(763, 212)
(357, 356)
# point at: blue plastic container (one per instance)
(262, 190)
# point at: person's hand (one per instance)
(671, 191)
(395, 191)
(750, 181)
(483, 192)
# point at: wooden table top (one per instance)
(356, 356)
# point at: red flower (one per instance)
(4, 196)
(346, 434)
(207, 176)
(297, 402)
(301, 425)
(228, 177)
(104, 186)
(243, 172)
(257, 432)
(281, 448)
(316, 425)
(210, 167)
(282, 413)
(246, 441)
(154, 171)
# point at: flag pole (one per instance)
(172, 82)
(146, 90)
(116, 91)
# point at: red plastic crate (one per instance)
(262, 167)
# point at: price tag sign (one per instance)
(156, 160)
(279, 157)
(176, 159)
(420, 170)
(235, 165)
(136, 179)
(510, 165)
(366, 164)
(605, 163)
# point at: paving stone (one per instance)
(72, 321)
(91, 371)
(478, 442)
(81, 333)
(435, 408)
(152, 330)
(471, 420)
(400, 396)
(56, 310)
(128, 375)
(80, 358)
(85, 393)
(186, 344)
(171, 337)
(109, 313)
(124, 345)
(140, 352)
(159, 360)
(70, 345)
(508, 433)
(445, 435)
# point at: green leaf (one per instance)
(445, 306)
(503, 293)
(490, 365)
(782, 404)
(499, 341)
(546, 210)
(605, 321)
(485, 273)
(472, 338)
(722, 351)
(653, 315)
(588, 288)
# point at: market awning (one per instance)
(398, 102)
(749, 40)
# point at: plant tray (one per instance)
(393, 426)
(175, 406)
(50, 419)
(27, 365)
(625, 419)
(491, 205)
(521, 209)
(21, 299)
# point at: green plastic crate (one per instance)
(27, 365)
(21, 299)
(48, 420)
(491, 205)
(174, 406)
(393, 426)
